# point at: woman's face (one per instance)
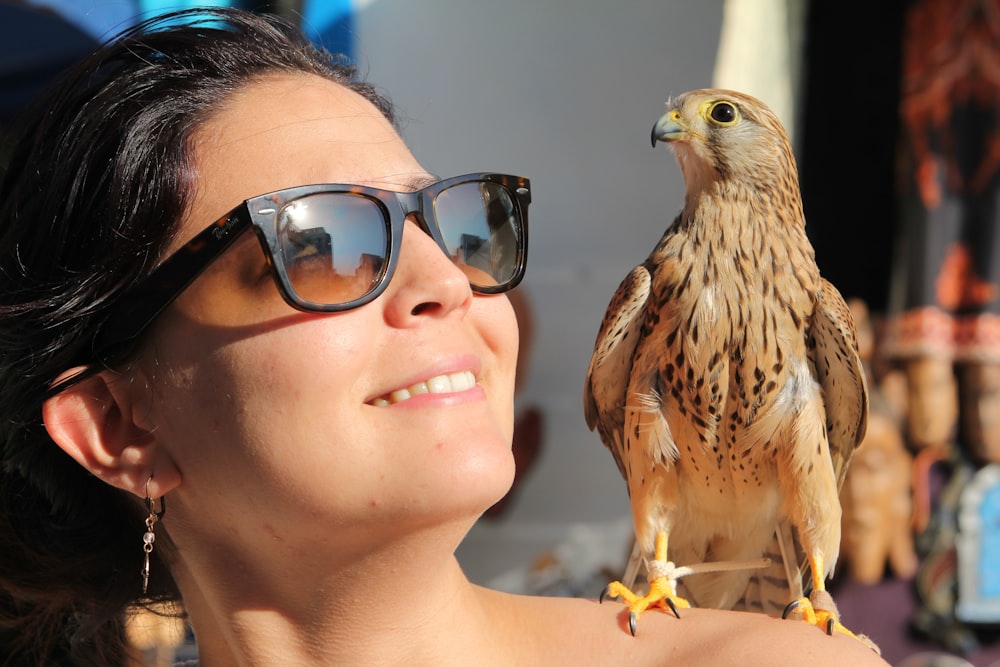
(269, 413)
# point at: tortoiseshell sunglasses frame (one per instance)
(139, 306)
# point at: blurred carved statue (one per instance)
(876, 496)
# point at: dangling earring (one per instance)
(150, 535)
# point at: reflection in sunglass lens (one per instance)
(333, 246)
(478, 224)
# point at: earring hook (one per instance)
(150, 505)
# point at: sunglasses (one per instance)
(332, 248)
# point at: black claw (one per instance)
(792, 606)
(673, 607)
(604, 593)
(829, 626)
(632, 618)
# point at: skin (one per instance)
(309, 526)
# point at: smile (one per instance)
(440, 384)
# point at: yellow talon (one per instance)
(662, 588)
(823, 618)
(820, 610)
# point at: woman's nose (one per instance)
(426, 283)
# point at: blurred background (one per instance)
(565, 92)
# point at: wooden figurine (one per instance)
(876, 496)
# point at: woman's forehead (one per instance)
(288, 130)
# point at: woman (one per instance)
(288, 431)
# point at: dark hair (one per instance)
(91, 196)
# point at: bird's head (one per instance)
(725, 135)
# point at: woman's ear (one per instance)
(96, 421)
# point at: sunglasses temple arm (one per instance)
(137, 309)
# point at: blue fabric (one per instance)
(41, 43)
(330, 24)
(98, 18)
(149, 7)
(37, 46)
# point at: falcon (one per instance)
(726, 381)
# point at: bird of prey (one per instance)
(726, 379)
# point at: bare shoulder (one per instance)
(576, 631)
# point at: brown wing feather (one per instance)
(834, 346)
(611, 363)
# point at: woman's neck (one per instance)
(408, 603)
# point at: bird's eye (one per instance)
(723, 113)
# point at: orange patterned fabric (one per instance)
(946, 291)
(932, 332)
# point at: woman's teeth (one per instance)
(440, 384)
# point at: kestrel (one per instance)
(726, 379)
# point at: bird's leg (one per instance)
(662, 587)
(819, 608)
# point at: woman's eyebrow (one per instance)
(420, 182)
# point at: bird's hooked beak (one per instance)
(668, 128)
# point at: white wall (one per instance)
(565, 93)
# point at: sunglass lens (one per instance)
(333, 246)
(481, 232)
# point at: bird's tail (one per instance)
(633, 566)
(771, 588)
